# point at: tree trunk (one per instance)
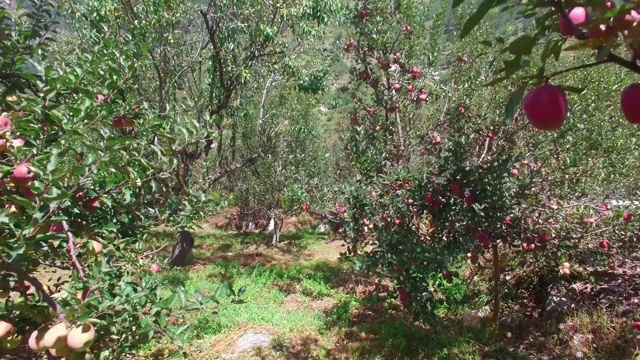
(276, 232)
(496, 283)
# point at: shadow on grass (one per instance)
(365, 325)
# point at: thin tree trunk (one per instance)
(496, 283)
(276, 232)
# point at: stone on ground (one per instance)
(250, 341)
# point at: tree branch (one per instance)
(149, 253)
(580, 67)
(630, 65)
(237, 166)
(37, 285)
(72, 252)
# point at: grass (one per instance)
(315, 306)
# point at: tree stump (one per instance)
(182, 249)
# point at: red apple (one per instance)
(545, 107)
(473, 258)
(363, 14)
(365, 75)
(469, 200)
(446, 275)
(483, 236)
(397, 86)
(22, 174)
(630, 103)
(27, 192)
(543, 238)
(456, 189)
(57, 228)
(92, 204)
(17, 142)
(155, 268)
(627, 216)
(404, 296)
(415, 71)
(121, 122)
(5, 124)
(577, 16)
(604, 244)
(436, 140)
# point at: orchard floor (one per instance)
(315, 306)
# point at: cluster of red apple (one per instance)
(387, 63)
(579, 17)
(60, 339)
(546, 106)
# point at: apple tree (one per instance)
(437, 177)
(79, 174)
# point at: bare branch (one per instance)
(149, 253)
(72, 251)
(580, 67)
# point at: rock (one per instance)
(322, 229)
(581, 343)
(511, 321)
(249, 342)
(556, 305)
(472, 318)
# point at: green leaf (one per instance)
(476, 17)
(522, 45)
(588, 44)
(242, 290)
(53, 163)
(221, 291)
(513, 103)
(456, 3)
(572, 89)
